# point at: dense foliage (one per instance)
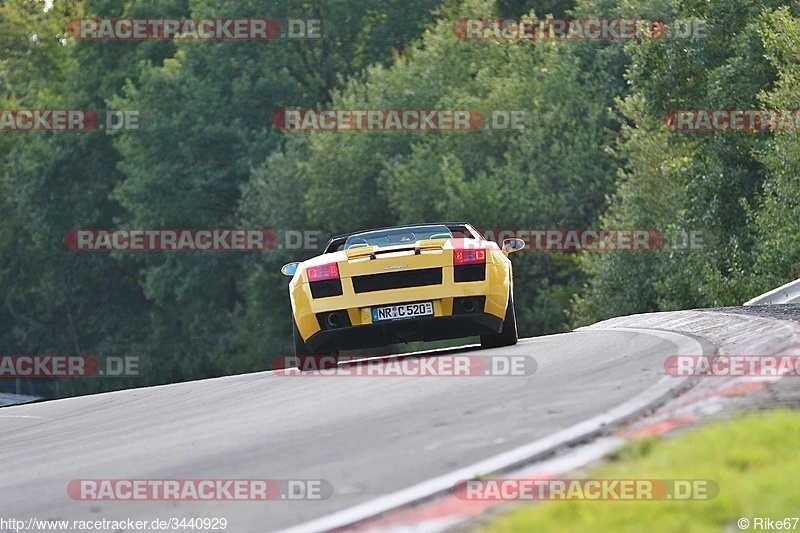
(594, 152)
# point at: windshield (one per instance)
(396, 236)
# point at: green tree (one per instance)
(778, 221)
(208, 112)
(707, 183)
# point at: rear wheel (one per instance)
(507, 337)
(300, 347)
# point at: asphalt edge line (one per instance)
(520, 456)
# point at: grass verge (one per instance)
(755, 460)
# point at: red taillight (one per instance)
(469, 256)
(323, 272)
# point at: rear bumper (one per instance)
(492, 291)
(418, 329)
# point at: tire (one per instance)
(300, 347)
(508, 336)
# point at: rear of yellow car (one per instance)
(426, 290)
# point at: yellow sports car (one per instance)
(391, 285)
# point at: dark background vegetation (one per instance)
(594, 153)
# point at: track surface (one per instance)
(367, 436)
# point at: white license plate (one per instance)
(399, 312)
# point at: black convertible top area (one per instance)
(462, 228)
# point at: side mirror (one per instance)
(289, 269)
(513, 245)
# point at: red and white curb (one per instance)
(672, 403)
(450, 511)
(731, 334)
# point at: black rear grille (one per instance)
(398, 280)
(469, 273)
(326, 289)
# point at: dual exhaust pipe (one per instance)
(469, 305)
(335, 320)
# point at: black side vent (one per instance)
(469, 273)
(324, 289)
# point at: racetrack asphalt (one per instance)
(367, 436)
